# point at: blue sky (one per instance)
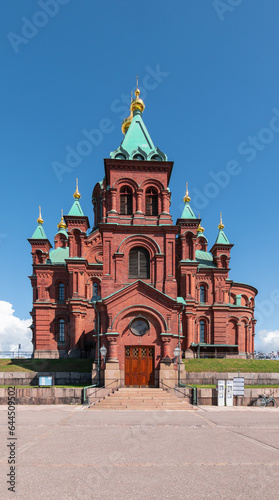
(210, 79)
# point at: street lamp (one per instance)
(103, 352)
(176, 352)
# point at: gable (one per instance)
(141, 290)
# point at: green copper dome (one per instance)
(137, 143)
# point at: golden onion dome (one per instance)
(40, 219)
(62, 223)
(137, 104)
(221, 225)
(76, 194)
(200, 228)
(186, 197)
(126, 123)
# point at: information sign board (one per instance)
(229, 393)
(221, 392)
(238, 386)
(46, 381)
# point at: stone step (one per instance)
(136, 388)
(141, 396)
(143, 408)
(141, 399)
(146, 391)
(142, 403)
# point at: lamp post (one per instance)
(176, 353)
(19, 347)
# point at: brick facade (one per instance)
(99, 297)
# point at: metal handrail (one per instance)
(96, 385)
(194, 389)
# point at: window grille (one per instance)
(61, 292)
(202, 293)
(61, 330)
(95, 290)
(202, 331)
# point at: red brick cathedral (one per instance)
(136, 283)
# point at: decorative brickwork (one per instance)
(135, 263)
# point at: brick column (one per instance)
(139, 200)
(183, 245)
(166, 346)
(112, 349)
(103, 207)
(74, 330)
(190, 330)
(165, 207)
(113, 199)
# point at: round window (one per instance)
(139, 326)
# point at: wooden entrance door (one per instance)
(139, 366)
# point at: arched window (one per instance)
(138, 157)
(232, 298)
(202, 293)
(126, 200)
(61, 330)
(95, 290)
(39, 257)
(151, 201)
(224, 262)
(139, 263)
(202, 331)
(189, 246)
(244, 300)
(61, 292)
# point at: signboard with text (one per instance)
(238, 386)
(46, 381)
(229, 393)
(221, 392)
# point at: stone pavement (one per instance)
(71, 452)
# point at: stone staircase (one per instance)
(134, 398)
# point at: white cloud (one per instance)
(13, 330)
(267, 341)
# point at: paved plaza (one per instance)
(72, 452)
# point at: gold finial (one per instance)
(186, 197)
(137, 104)
(200, 228)
(221, 225)
(127, 121)
(137, 91)
(40, 219)
(76, 194)
(62, 223)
